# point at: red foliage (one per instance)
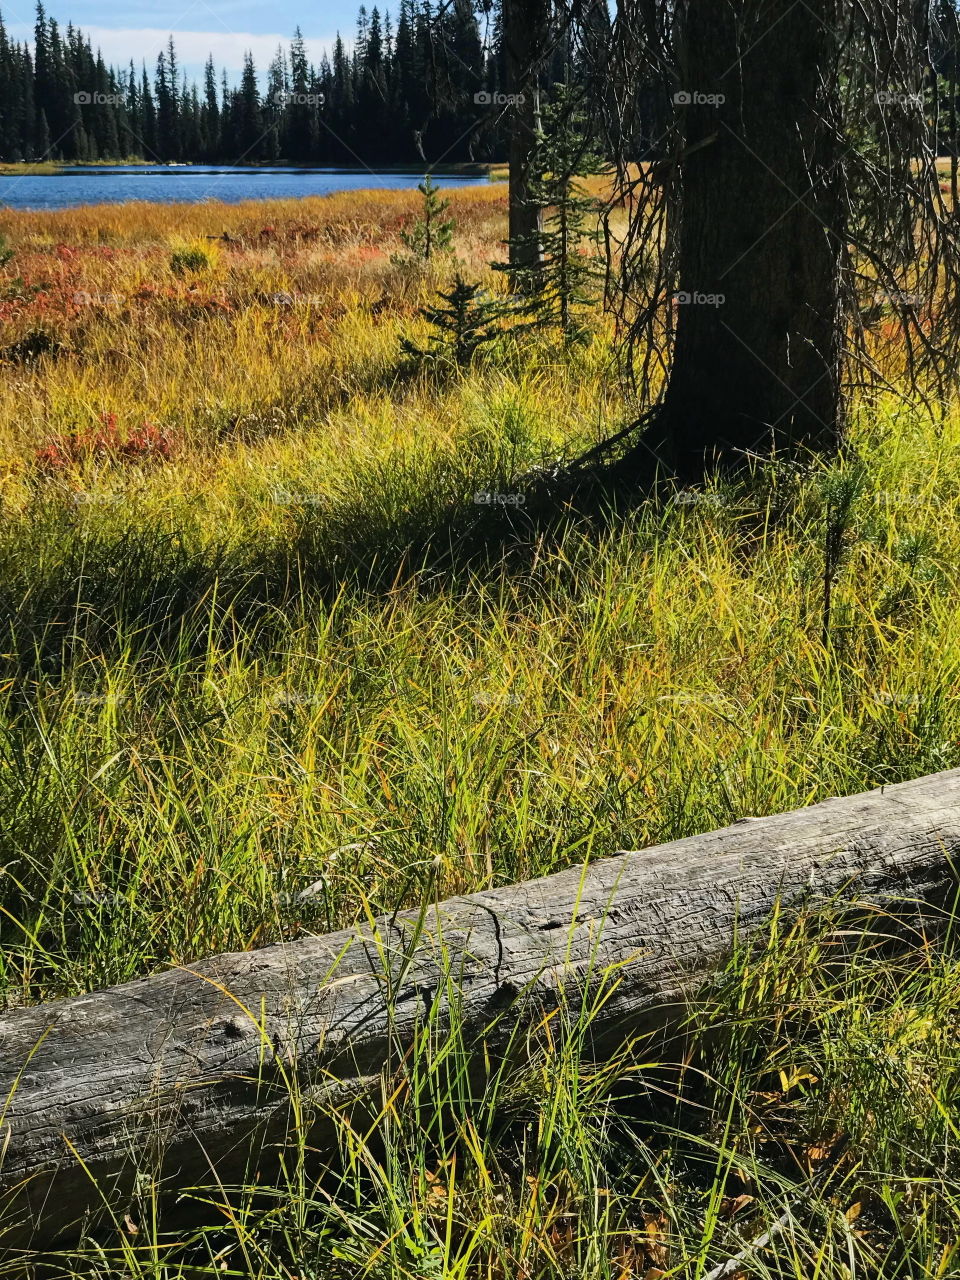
(198, 303)
(146, 443)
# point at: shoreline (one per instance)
(60, 168)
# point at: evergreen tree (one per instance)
(106, 111)
(149, 130)
(167, 93)
(432, 232)
(403, 94)
(299, 130)
(210, 114)
(44, 84)
(248, 115)
(465, 323)
(558, 289)
(273, 106)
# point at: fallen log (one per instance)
(187, 1074)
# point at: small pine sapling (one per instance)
(433, 232)
(554, 293)
(463, 320)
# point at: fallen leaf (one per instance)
(655, 1253)
(818, 1153)
(561, 1237)
(731, 1205)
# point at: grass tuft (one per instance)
(311, 628)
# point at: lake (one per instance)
(160, 184)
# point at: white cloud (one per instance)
(119, 44)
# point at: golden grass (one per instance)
(226, 675)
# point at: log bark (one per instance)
(186, 1073)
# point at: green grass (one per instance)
(299, 651)
(809, 1124)
(200, 715)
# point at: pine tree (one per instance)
(104, 111)
(45, 87)
(161, 84)
(554, 293)
(405, 90)
(151, 142)
(170, 120)
(431, 233)
(274, 105)
(249, 133)
(210, 115)
(467, 322)
(191, 123)
(299, 128)
(11, 131)
(341, 106)
(28, 106)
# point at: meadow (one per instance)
(288, 637)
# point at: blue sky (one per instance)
(137, 29)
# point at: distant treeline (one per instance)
(423, 87)
(406, 91)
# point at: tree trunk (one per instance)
(524, 42)
(954, 33)
(756, 365)
(186, 1074)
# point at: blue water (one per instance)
(162, 185)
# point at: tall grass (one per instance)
(198, 721)
(281, 657)
(808, 1129)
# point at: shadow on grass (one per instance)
(427, 524)
(445, 539)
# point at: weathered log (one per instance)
(187, 1073)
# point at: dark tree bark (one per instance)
(950, 30)
(525, 31)
(186, 1075)
(756, 365)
